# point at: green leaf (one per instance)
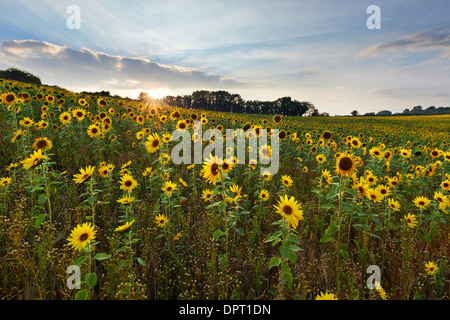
(90, 200)
(240, 231)
(276, 235)
(221, 207)
(80, 261)
(344, 254)
(284, 252)
(81, 295)
(326, 238)
(91, 279)
(295, 248)
(293, 257)
(275, 261)
(328, 206)
(42, 198)
(141, 262)
(229, 194)
(102, 256)
(39, 220)
(217, 234)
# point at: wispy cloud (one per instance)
(433, 39)
(84, 67)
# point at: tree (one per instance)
(19, 75)
(355, 113)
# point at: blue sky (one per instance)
(318, 51)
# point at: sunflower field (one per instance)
(93, 207)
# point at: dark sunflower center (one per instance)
(128, 183)
(225, 166)
(94, 130)
(421, 203)
(79, 114)
(214, 169)
(287, 210)
(84, 237)
(169, 189)
(41, 144)
(345, 164)
(155, 143)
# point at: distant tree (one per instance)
(19, 75)
(384, 113)
(355, 113)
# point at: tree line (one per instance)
(223, 101)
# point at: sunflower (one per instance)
(290, 209)
(153, 143)
(207, 195)
(42, 143)
(383, 190)
(327, 176)
(211, 170)
(430, 267)
(411, 220)
(93, 130)
(128, 183)
(105, 169)
(446, 185)
(5, 181)
(421, 202)
(236, 190)
(169, 187)
(326, 296)
(166, 137)
(371, 179)
(181, 125)
(79, 113)
(355, 143)
(287, 180)
(26, 122)
(277, 119)
(125, 200)
(265, 152)
(374, 195)
(65, 117)
(84, 174)
(147, 171)
(394, 204)
(17, 134)
(321, 158)
(345, 164)
(124, 226)
(441, 199)
(362, 188)
(267, 175)
(33, 159)
(160, 220)
(81, 235)
(264, 195)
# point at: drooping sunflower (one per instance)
(411, 220)
(126, 199)
(42, 143)
(161, 220)
(128, 183)
(345, 164)
(34, 159)
(327, 176)
(290, 209)
(211, 170)
(362, 187)
(84, 174)
(124, 226)
(169, 187)
(421, 202)
(153, 142)
(81, 236)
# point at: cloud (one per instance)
(66, 66)
(432, 39)
(407, 93)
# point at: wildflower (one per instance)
(81, 235)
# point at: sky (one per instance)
(318, 51)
